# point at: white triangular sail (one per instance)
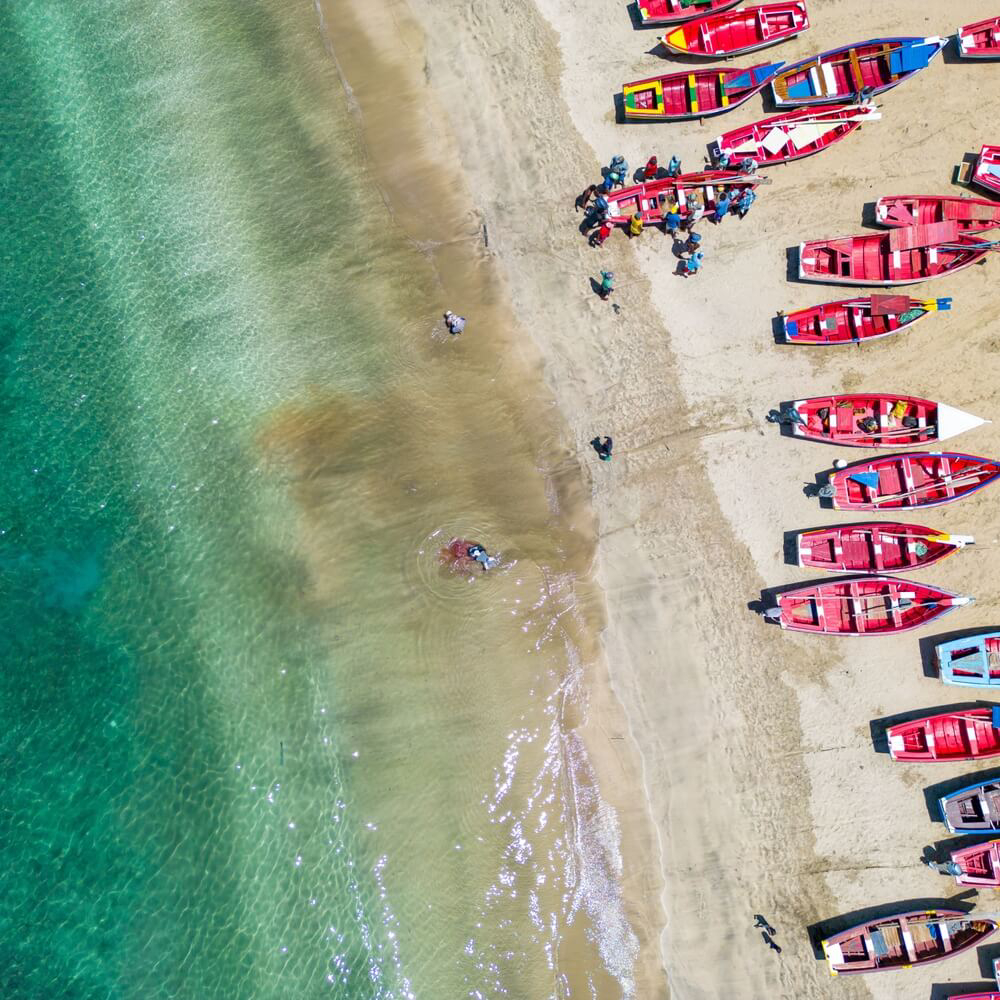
(952, 421)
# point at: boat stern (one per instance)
(833, 954)
(943, 809)
(802, 254)
(896, 745)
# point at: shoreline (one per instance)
(466, 252)
(752, 747)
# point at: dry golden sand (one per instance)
(757, 759)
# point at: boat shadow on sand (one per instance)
(928, 645)
(878, 727)
(933, 793)
(823, 929)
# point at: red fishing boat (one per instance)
(876, 547)
(903, 940)
(973, 215)
(698, 94)
(987, 172)
(905, 482)
(865, 605)
(980, 865)
(980, 40)
(652, 12)
(738, 31)
(853, 320)
(652, 199)
(898, 257)
(843, 73)
(970, 734)
(876, 420)
(794, 134)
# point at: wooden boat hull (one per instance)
(840, 74)
(980, 40)
(972, 661)
(697, 94)
(657, 12)
(971, 734)
(794, 134)
(866, 605)
(738, 31)
(972, 215)
(898, 257)
(875, 547)
(838, 420)
(651, 199)
(917, 937)
(911, 481)
(974, 809)
(980, 864)
(849, 321)
(987, 172)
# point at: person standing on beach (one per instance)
(635, 225)
(584, 198)
(693, 263)
(673, 167)
(745, 201)
(693, 242)
(607, 284)
(603, 448)
(650, 170)
(695, 210)
(722, 206)
(598, 236)
(672, 220)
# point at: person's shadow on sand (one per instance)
(596, 286)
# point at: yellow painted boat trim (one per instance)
(722, 89)
(676, 39)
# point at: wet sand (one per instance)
(756, 746)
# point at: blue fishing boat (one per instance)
(972, 662)
(974, 809)
(843, 74)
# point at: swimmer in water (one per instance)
(482, 557)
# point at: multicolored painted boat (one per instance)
(698, 94)
(876, 547)
(841, 74)
(987, 171)
(651, 199)
(970, 734)
(973, 215)
(980, 40)
(974, 809)
(909, 482)
(655, 12)
(794, 134)
(851, 321)
(979, 865)
(972, 661)
(877, 420)
(898, 257)
(918, 937)
(738, 31)
(866, 605)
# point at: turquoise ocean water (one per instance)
(254, 742)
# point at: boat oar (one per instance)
(966, 477)
(892, 432)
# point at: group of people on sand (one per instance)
(675, 217)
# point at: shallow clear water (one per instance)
(256, 742)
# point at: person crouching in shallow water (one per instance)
(482, 557)
(454, 322)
